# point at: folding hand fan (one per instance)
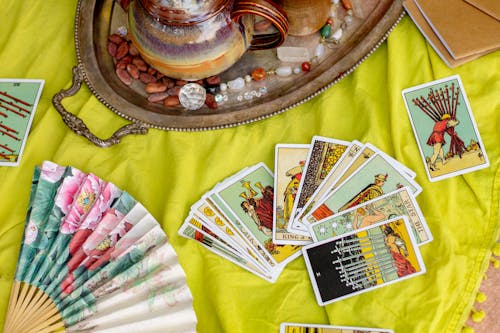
(94, 260)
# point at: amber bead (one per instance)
(259, 74)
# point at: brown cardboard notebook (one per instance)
(490, 7)
(463, 29)
(432, 38)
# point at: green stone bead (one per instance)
(326, 31)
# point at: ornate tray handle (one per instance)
(78, 126)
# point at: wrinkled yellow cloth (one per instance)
(169, 171)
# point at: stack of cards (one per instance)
(314, 328)
(235, 221)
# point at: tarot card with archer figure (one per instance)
(288, 168)
(249, 199)
(445, 129)
(323, 155)
(316, 328)
(363, 260)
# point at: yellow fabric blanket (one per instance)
(169, 171)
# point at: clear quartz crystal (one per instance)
(192, 96)
(236, 84)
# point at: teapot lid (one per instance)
(183, 12)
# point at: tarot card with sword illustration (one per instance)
(363, 260)
(444, 128)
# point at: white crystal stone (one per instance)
(284, 71)
(192, 96)
(319, 51)
(293, 54)
(248, 78)
(297, 70)
(223, 87)
(337, 35)
(236, 84)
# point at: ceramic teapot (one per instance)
(195, 39)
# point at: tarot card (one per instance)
(327, 184)
(324, 153)
(212, 218)
(376, 177)
(249, 199)
(192, 229)
(315, 328)
(262, 253)
(444, 128)
(368, 151)
(18, 101)
(288, 166)
(363, 260)
(385, 207)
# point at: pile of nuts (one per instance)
(130, 66)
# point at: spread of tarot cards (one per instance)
(327, 193)
(18, 101)
(444, 128)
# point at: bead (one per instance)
(349, 12)
(239, 98)
(335, 2)
(326, 31)
(223, 87)
(284, 71)
(247, 95)
(192, 96)
(319, 51)
(297, 70)
(330, 21)
(306, 66)
(348, 20)
(248, 78)
(219, 98)
(236, 84)
(263, 90)
(259, 74)
(337, 35)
